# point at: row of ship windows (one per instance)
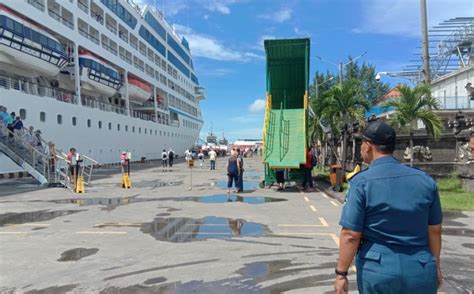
(74, 122)
(63, 15)
(189, 124)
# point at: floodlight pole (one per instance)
(424, 43)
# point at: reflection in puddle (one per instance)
(112, 203)
(222, 198)
(33, 216)
(77, 253)
(262, 277)
(248, 185)
(210, 227)
(156, 184)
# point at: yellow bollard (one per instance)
(126, 183)
(79, 185)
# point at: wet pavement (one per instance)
(171, 234)
(181, 230)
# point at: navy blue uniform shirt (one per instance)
(391, 203)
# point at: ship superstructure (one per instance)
(103, 76)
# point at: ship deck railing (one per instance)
(92, 102)
(11, 83)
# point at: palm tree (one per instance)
(416, 104)
(347, 105)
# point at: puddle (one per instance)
(155, 281)
(77, 253)
(468, 245)
(248, 185)
(252, 175)
(211, 227)
(450, 217)
(109, 202)
(223, 198)
(260, 277)
(33, 216)
(112, 203)
(156, 184)
(54, 289)
(458, 232)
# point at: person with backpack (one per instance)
(164, 159)
(170, 157)
(308, 168)
(240, 160)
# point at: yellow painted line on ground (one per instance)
(324, 223)
(13, 233)
(27, 225)
(102, 232)
(325, 196)
(306, 199)
(334, 203)
(312, 208)
(335, 238)
(354, 268)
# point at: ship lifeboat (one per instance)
(27, 49)
(98, 77)
(138, 91)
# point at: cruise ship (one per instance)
(103, 76)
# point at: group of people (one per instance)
(29, 136)
(167, 158)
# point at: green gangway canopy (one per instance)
(287, 83)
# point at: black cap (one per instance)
(380, 133)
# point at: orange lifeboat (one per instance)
(138, 91)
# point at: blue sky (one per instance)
(226, 40)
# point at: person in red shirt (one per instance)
(308, 168)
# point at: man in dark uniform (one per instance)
(392, 219)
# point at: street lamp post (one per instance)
(316, 90)
(340, 67)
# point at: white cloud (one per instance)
(209, 47)
(257, 106)
(300, 32)
(217, 72)
(402, 17)
(279, 16)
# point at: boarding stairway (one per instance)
(47, 169)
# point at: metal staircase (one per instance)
(46, 168)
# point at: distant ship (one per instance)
(102, 76)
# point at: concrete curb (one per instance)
(325, 187)
(14, 175)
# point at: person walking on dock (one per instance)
(232, 169)
(308, 169)
(170, 157)
(240, 159)
(212, 159)
(164, 159)
(201, 158)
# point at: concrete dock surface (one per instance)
(177, 231)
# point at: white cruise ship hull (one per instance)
(90, 85)
(103, 145)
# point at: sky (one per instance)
(226, 41)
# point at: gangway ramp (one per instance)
(286, 137)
